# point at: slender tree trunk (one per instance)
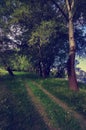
(72, 49)
(10, 71)
(41, 65)
(6, 66)
(40, 69)
(48, 70)
(44, 71)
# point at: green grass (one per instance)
(57, 115)
(59, 88)
(17, 112)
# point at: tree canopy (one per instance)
(41, 30)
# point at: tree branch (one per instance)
(68, 5)
(60, 10)
(75, 9)
(72, 4)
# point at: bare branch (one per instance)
(60, 10)
(72, 4)
(75, 8)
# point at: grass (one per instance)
(17, 112)
(57, 115)
(59, 88)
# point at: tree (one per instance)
(72, 48)
(20, 63)
(40, 39)
(71, 8)
(46, 43)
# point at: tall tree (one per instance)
(40, 39)
(71, 11)
(72, 47)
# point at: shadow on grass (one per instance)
(22, 75)
(17, 112)
(59, 88)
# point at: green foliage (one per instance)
(20, 13)
(43, 33)
(2, 72)
(46, 43)
(20, 63)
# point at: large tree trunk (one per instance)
(71, 71)
(72, 49)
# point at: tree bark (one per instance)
(10, 71)
(71, 71)
(72, 50)
(42, 67)
(43, 70)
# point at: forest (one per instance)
(39, 43)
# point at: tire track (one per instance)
(76, 115)
(40, 109)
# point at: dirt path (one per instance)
(76, 115)
(40, 109)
